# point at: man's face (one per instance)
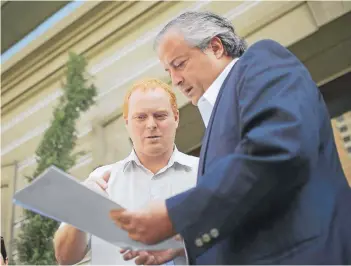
(191, 70)
(151, 122)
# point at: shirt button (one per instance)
(206, 238)
(198, 242)
(214, 233)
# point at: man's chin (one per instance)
(155, 149)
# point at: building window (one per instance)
(340, 118)
(343, 129)
(347, 139)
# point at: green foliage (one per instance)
(34, 244)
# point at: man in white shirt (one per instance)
(155, 169)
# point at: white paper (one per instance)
(104, 253)
(57, 195)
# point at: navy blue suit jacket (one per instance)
(270, 181)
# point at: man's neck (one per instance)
(155, 163)
(226, 61)
(220, 68)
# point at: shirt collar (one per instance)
(177, 157)
(212, 92)
(132, 157)
(180, 158)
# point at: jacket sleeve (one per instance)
(277, 103)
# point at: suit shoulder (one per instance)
(267, 42)
(265, 54)
(266, 48)
(265, 45)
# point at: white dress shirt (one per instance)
(208, 99)
(132, 186)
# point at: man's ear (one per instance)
(217, 47)
(176, 117)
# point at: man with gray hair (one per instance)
(270, 187)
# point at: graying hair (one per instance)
(198, 29)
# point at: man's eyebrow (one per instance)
(172, 62)
(180, 56)
(138, 113)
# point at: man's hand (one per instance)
(98, 183)
(149, 226)
(151, 257)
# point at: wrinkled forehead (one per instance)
(172, 45)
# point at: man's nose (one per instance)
(151, 123)
(177, 79)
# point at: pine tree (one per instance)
(34, 244)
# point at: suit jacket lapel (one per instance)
(205, 141)
(200, 170)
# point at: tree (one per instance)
(34, 243)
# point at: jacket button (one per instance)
(214, 233)
(206, 238)
(198, 242)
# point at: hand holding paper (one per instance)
(98, 184)
(155, 257)
(149, 226)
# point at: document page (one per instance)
(57, 195)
